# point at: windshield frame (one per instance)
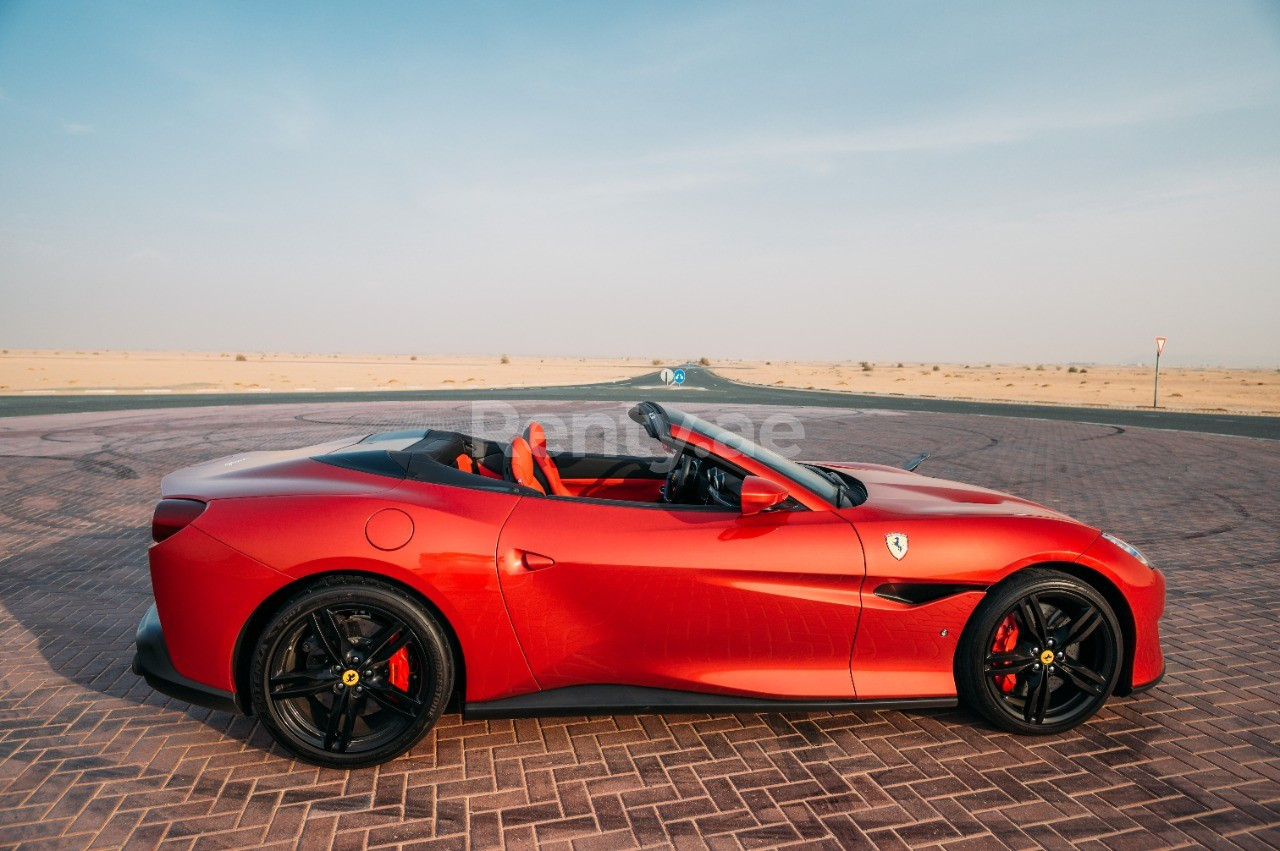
(793, 472)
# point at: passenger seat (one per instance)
(537, 441)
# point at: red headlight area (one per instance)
(172, 515)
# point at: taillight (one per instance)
(172, 515)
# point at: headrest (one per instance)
(536, 437)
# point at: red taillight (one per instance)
(172, 515)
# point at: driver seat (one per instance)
(537, 440)
(520, 466)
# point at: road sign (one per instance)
(666, 375)
(1155, 390)
(678, 378)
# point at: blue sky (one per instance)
(906, 181)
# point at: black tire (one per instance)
(322, 697)
(1034, 617)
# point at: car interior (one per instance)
(685, 476)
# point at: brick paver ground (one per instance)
(89, 756)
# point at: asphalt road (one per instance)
(702, 385)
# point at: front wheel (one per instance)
(350, 673)
(1041, 654)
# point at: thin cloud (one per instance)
(969, 131)
(624, 188)
(74, 129)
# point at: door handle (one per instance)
(535, 561)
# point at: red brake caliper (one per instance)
(1006, 641)
(398, 669)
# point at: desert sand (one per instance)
(24, 371)
(1239, 390)
(88, 371)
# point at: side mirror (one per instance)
(759, 493)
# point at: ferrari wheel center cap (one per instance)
(351, 677)
(1046, 658)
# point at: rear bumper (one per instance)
(151, 661)
(1138, 689)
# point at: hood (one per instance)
(898, 491)
(291, 472)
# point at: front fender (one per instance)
(1143, 590)
(907, 649)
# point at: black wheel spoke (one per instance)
(342, 721)
(388, 642)
(302, 683)
(1084, 625)
(355, 704)
(1037, 701)
(333, 730)
(1085, 678)
(1042, 699)
(1003, 664)
(397, 701)
(325, 624)
(1032, 619)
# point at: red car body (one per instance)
(548, 597)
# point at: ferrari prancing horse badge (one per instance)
(897, 544)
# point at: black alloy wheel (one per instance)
(351, 672)
(1041, 654)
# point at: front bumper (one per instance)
(1143, 590)
(151, 661)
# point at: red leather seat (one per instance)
(520, 465)
(537, 440)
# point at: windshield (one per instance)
(804, 476)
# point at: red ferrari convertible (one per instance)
(349, 593)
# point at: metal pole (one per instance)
(1155, 395)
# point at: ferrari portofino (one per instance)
(349, 593)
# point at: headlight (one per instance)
(1127, 547)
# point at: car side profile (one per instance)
(350, 593)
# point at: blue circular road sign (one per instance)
(678, 378)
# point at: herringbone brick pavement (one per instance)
(91, 757)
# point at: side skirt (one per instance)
(639, 700)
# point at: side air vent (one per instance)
(916, 593)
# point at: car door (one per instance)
(606, 592)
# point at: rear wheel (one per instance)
(1041, 654)
(351, 673)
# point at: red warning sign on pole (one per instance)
(1159, 345)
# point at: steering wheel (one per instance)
(684, 467)
(713, 490)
